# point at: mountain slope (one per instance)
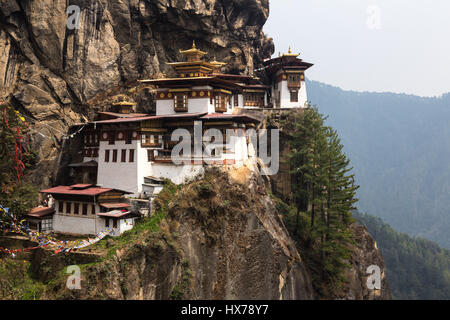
(399, 145)
(415, 268)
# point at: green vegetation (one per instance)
(148, 226)
(15, 194)
(416, 268)
(16, 281)
(180, 289)
(399, 145)
(323, 196)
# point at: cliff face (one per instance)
(228, 242)
(222, 238)
(56, 75)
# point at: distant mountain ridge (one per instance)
(399, 146)
(416, 268)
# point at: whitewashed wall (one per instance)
(119, 175)
(286, 95)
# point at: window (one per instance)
(95, 153)
(181, 102)
(114, 223)
(93, 209)
(131, 155)
(124, 156)
(236, 100)
(107, 222)
(220, 103)
(294, 80)
(76, 208)
(68, 207)
(85, 209)
(112, 137)
(254, 99)
(61, 206)
(294, 96)
(114, 157)
(106, 155)
(150, 155)
(47, 225)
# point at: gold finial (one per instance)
(279, 53)
(290, 51)
(193, 45)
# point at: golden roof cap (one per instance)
(193, 51)
(290, 54)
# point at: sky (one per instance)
(368, 45)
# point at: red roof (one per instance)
(40, 212)
(115, 205)
(92, 191)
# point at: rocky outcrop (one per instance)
(222, 239)
(365, 255)
(56, 75)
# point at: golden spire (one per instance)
(193, 54)
(290, 54)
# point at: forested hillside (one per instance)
(399, 146)
(416, 268)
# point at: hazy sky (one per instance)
(379, 45)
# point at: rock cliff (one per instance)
(228, 241)
(57, 76)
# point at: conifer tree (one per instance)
(324, 191)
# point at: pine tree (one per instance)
(323, 191)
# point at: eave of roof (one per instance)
(92, 191)
(221, 116)
(40, 212)
(114, 214)
(160, 117)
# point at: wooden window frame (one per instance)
(114, 156)
(150, 155)
(220, 103)
(123, 157)
(76, 208)
(84, 209)
(68, 208)
(131, 156)
(181, 106)
(107, 154)
(294, 93)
